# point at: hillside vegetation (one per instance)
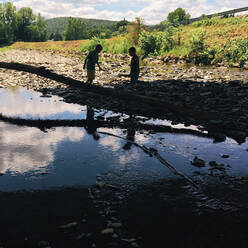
(208, 41)
(58, 24)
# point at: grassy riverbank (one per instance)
(209, 41)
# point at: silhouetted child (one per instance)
(91, 61)
(130, 132)
(90, 126)
(135, 70)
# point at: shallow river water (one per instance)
(33, 158)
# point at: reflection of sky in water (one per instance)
(32, 159)
(69, 156)
(28, 104)
(169, 123)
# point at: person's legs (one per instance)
(134, 78)
(91, 76)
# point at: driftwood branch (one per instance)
(161, 104)
(154, 153)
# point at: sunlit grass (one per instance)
(5, 48)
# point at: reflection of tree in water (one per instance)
(91, 126)
(130, 132)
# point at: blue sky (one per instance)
(151, 11)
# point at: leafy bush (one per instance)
(197, 43)
(169, 41)
(237, 51)
(206, 22)
(157, 43)
(151, 43)
(217, 21)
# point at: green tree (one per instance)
(177, 16)
(7, 22)
(135, 30)
(37, 30)
(57, 36)
(51, 36)
(25, 18)
(75, 29)
(121, 26)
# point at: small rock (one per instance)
(69, 225)
(213, 164)
(219, 137)
(132, 240)
(113, 187)
(43, 243)
(134, 244)
(115, 225)
(198, 162)
(115, 236)
(100, 184)
(80, 236)
(225, 156)
(107, 231)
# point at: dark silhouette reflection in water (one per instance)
(91, 126)
(130, 133)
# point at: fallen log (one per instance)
(44, 124)
(161, 104)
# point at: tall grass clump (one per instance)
(91, 44)
(118, 45)
(237, 52)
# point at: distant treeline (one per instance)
(21, 25)
(24, 25)
(91, 27)
(71, 28)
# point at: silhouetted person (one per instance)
(135, 69)
(90, 123)
(130, 133)
(91, 61)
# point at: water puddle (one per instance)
(34, 158)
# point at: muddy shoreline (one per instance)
(112, 217)
(170, 213)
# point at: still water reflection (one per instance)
(31, 158)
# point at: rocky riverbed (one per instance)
(220, 91)
(113, 215)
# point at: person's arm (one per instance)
(99, 66)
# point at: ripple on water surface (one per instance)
(33, 158)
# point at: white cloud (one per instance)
(21, 106)
(152, 12)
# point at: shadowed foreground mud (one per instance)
(148, 216)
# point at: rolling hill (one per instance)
(59, 24)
